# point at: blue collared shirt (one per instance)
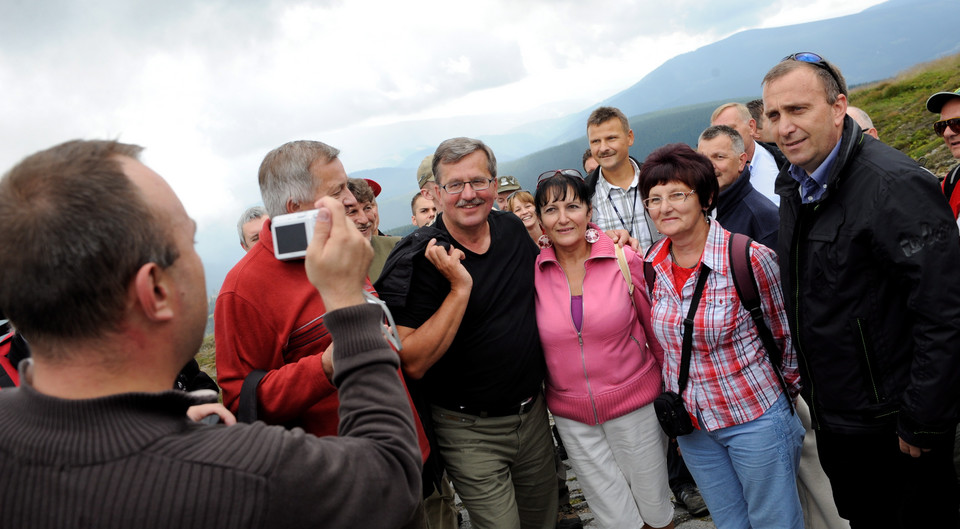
(812, 186)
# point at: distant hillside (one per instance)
(898, 109)
(868, 46)
(650, 131)
(871, 45)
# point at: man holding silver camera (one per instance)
(96, 434)
(267, 317)
(268, 322)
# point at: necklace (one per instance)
(677, 261)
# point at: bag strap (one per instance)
(247, 407)
(624, 269)
(649, 274)
(688, 328)
(745, 282)
(627, 276)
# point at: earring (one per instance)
(591, 235)
(544, 242)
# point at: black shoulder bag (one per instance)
(671, 413)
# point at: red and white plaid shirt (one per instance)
(731, 378)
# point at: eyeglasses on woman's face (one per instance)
(677, 197)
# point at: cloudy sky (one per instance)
(208, 87)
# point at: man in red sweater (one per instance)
(268, 317)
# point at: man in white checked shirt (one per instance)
(616, 198)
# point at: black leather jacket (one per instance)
(873, 295)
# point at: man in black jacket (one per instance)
(868, 253)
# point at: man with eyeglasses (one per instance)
(462, 293)
(868, 252)
(947, 104)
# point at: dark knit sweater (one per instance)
(135, 460)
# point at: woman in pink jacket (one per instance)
(603, 363)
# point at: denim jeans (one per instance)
(747, 473)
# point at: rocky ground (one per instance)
(681, 519)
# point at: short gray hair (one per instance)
(861, 117)
(285, 173)
(456, 149)
(742, 112)
(250, 214)
(715, 131)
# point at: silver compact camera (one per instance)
(292, 233)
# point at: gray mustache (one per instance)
(475, 202)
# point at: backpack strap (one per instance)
(627, 276)
(746, 284)
(247, 407)
(624, 269)
(649, 274)
(688, 329)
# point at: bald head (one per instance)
(863, 119)
(737, 116)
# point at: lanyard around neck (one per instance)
(633, 212)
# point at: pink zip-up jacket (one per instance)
(612, 366)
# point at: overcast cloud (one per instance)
(209, 87)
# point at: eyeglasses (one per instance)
(816, 60)
(941, 126)
(389, 328)
(478, 184)
(573, 173)
(674, 198)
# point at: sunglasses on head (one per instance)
(941, 126)
(816, 60)
(550, 174)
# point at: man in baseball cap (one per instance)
(506, 185)
(947, 104)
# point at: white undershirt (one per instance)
(763, 173)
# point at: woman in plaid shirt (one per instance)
(745, 446)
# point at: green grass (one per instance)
(898, 109)
(206, 357)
